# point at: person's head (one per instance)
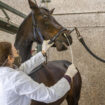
(7, 54)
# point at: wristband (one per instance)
(67, 78)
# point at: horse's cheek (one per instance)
(60, 46)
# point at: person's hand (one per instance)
(46, 46)
(71, 71)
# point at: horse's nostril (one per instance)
(70, 37)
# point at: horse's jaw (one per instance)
(61, 46)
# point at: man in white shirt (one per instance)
(17, 88)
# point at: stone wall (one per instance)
(89, 17)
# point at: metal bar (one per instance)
(79, 13)
(44, 1)
(7, 7)
(8, 27)
(87, 27)
(6, 14)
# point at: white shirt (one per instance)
(17, 88)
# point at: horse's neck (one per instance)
(26, 27)
(23, 40)
(25, 51)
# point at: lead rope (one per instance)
(70, 48)
(5, 62)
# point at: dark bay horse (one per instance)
(54, 70)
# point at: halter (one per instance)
(36, 30)
(37, 33)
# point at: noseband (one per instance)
(37, 33)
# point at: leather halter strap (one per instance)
(54, 38)
(36, 30)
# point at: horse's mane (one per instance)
(45, 9)
(23, 23)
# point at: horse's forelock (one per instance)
(45, 9)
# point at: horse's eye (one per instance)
(45, 16)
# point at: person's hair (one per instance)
(5, 51)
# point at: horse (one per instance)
(39, 25)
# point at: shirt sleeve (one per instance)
(32, 63)
(24, 85)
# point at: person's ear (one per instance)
(10, 58)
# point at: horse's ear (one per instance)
(32, 4)
(51, 11)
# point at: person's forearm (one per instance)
(33, 62)
(25, 86)
(51, 94)
(58, 90)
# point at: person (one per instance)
(17, 88)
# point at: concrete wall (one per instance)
(92, 28)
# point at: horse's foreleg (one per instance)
(74, 94)
(70, 100)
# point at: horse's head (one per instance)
(49, 27)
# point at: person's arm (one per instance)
(36, 60)
(32, 63)
(24, 85)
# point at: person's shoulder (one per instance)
(6, 69)
(21, 77)
(13, 74)
(8, 76)
(10, 72)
